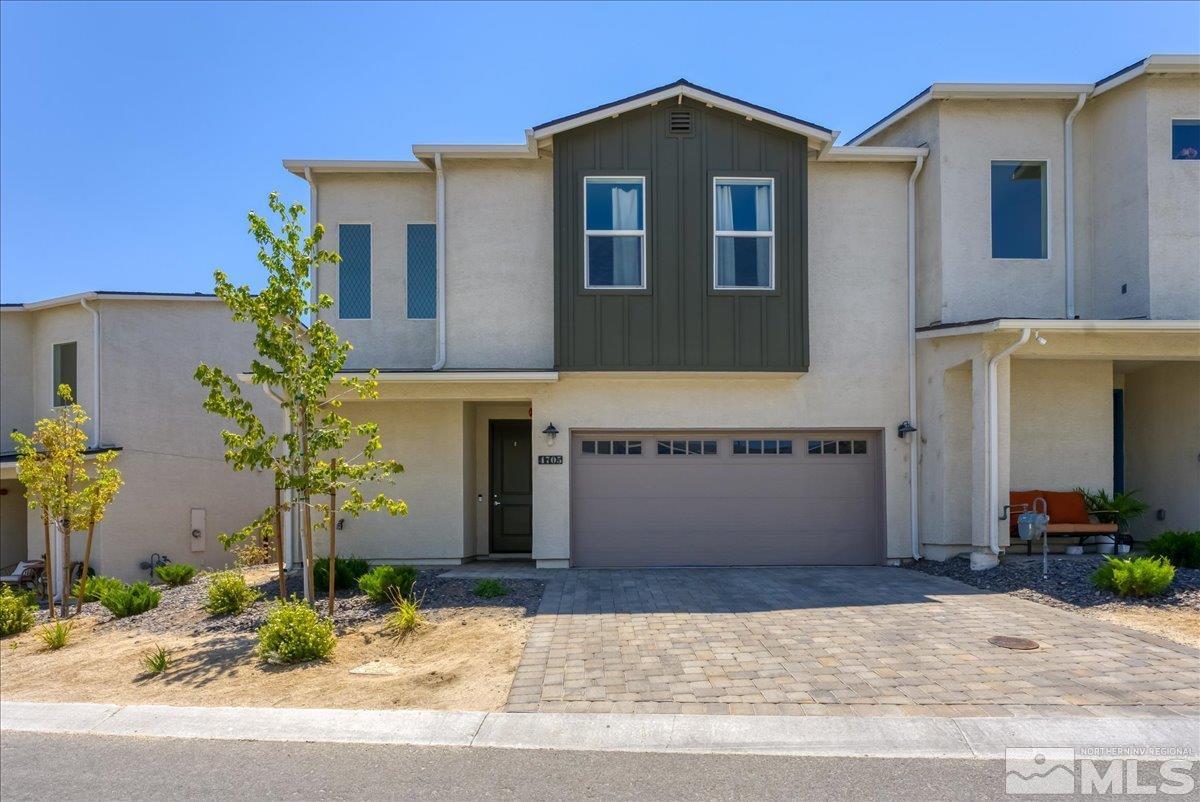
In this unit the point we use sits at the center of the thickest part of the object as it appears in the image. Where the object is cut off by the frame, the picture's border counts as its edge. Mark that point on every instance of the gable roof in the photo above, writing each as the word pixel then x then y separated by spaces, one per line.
pixel 993 91
pixel 109 295
pixel 817 134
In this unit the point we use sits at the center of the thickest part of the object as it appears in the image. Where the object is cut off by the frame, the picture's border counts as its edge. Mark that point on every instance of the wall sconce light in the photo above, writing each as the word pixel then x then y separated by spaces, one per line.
pixel 551 433
pixel 905 428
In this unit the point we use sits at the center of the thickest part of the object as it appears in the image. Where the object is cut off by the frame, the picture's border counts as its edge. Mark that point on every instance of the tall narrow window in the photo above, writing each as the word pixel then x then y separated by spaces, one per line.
pixel 422 271
pixel 64 372
pixel 614 211
pixel 743 233
pixel 1185 139
pixel 1019 210
pixel 354 273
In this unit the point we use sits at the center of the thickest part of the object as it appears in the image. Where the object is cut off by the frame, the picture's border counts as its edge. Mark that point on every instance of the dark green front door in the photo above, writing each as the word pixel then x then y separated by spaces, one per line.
pixel 511 492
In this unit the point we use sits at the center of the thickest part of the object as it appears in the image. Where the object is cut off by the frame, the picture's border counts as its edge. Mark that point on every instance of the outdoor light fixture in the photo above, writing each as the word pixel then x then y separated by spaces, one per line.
pixel 1037 335
pixel 550 433
pixel 905 428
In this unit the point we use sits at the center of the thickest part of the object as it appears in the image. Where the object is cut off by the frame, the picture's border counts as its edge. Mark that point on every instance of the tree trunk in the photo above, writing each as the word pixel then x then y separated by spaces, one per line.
pixel 48 563
pixel 87 558
pixel 279 546
pixel 332 523
pixel 66 570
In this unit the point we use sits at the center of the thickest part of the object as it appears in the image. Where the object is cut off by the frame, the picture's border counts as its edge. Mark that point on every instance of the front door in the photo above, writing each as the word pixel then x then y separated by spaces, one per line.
pixel 511 491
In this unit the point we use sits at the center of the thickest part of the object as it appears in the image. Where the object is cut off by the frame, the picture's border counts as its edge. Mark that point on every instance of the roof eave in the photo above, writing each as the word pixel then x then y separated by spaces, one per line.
pixel 1060 324
pixel 317 166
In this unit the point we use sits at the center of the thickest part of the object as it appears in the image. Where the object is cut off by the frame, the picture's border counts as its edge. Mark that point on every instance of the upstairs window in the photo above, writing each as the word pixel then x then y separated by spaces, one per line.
pixel 1185 139
pixel 422 271
pixel 1020 209
pixel 614 211
pixel 354 272
pixel 743 233
pixel 64 372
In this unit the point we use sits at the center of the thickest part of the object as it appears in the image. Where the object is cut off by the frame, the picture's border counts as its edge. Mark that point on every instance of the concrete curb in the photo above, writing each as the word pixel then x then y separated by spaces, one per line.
pixel 824 736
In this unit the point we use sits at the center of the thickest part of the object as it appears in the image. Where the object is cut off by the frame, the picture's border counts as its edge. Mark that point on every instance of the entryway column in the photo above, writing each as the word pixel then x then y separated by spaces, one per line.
pixel 981 554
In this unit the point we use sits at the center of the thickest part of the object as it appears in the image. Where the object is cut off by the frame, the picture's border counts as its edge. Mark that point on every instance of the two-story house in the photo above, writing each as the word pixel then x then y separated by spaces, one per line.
pixel 683 329
pixel 129 359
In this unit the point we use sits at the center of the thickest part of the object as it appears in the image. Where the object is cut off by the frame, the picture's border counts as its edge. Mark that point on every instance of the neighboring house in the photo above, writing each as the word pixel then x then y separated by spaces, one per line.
pixel 129 358
pixel 708 302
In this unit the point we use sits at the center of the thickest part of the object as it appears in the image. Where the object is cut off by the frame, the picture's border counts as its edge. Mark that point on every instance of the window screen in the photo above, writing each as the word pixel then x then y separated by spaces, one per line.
pixel 354 272
pixel 422 271
pixel 64 372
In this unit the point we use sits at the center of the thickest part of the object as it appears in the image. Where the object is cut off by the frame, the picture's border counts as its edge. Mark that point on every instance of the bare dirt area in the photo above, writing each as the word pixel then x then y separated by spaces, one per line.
pixel 1175 615
pixel 462 659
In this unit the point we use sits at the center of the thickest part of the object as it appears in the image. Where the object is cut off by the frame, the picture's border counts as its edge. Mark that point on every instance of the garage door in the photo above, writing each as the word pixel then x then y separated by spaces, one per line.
pixel 743 498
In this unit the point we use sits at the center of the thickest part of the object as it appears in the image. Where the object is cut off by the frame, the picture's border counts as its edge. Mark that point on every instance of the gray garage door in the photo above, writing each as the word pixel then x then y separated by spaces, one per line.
pixel 740 498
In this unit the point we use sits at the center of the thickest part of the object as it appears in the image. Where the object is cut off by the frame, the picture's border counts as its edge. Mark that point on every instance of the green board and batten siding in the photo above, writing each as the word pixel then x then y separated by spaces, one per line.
pixel 679 322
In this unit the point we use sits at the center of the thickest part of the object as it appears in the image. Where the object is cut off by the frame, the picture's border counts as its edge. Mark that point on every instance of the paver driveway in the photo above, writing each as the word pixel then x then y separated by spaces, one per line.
pixel 831 641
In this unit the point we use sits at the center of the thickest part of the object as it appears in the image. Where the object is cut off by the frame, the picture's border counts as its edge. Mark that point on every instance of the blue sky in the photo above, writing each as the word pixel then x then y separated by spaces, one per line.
pixel 134 137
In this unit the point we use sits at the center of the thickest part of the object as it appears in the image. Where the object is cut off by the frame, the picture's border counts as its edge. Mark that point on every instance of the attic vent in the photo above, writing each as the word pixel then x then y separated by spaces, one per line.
pixel 679 122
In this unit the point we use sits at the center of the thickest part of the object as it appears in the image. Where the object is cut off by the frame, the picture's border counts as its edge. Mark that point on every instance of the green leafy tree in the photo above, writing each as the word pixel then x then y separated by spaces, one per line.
pixel 52 464
pixel 298 364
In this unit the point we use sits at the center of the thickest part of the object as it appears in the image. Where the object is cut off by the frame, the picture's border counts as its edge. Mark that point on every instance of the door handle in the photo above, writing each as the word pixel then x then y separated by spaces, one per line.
pixel 495 503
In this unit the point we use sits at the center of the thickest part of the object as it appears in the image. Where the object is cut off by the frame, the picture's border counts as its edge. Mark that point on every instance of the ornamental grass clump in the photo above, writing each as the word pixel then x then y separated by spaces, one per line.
pixel 130 600
pixel 228 594
pixel 1139 576
pixel 406 618
pixel 55 636
pixel 294 633
pixel 1181 549
pixel 156 661
pixel 490 589
pixel 175 574
pixel 385 583
pixel 16 611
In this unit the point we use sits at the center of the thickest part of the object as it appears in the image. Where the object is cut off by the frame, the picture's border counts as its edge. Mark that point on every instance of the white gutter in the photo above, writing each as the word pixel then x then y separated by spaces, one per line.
pixel 1058 324
pixel 461 377
pixel 1069 196
pixel 914 437
pixel 95 370
pixel 440 236
pixel 312 226
pixel 993 444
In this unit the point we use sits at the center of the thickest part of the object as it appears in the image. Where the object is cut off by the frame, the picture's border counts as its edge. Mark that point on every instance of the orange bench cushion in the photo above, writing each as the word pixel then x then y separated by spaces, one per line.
pixel 1066 507
pixel 1081 529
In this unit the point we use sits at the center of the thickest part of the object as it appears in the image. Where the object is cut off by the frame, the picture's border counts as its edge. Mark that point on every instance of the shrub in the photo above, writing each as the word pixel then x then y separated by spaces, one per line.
pixel 16 612
pixel 175 574
pixel 55 636
pixel 295 633
pixel 1139 576
pixel 1117 508
pixel 156 661
pixel 97 586
pixel 388 582
pixel 490 589
pixel 346 573
pixel 251 553
pixel 130 599
pixel 1181 549
pixel 406 617
pixel 228 594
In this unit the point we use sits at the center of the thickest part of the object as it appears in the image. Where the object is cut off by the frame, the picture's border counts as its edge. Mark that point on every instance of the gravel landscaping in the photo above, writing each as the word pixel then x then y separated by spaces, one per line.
pixel 1175 614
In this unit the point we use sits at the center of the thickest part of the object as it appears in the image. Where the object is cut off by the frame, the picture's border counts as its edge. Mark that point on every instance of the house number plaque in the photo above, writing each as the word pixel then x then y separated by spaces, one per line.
pixel 550 459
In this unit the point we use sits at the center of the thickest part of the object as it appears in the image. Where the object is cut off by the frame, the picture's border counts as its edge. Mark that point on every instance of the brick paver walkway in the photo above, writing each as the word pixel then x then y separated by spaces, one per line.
pixel 831 641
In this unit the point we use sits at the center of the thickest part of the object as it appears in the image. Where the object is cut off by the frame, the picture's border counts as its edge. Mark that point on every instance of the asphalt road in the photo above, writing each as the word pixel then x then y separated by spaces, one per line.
pixel 99 768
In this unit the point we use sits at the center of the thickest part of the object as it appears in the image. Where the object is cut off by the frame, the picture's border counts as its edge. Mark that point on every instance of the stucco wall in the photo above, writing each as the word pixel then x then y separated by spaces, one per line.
pixel 16 374
pixel 1162 441
pixel 1174 187
pixel 389 203
pixel 499 264
pixel 1111 206
pixel 1061 424
pixel 46 328
pixel 972 135
pixel 12 523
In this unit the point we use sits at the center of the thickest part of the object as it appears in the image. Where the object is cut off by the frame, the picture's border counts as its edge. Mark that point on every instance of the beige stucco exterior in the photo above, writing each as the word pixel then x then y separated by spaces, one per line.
pixel 150 407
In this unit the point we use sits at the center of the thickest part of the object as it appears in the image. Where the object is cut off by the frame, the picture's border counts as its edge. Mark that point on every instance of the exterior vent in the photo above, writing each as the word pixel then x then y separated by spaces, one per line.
pixel 679 122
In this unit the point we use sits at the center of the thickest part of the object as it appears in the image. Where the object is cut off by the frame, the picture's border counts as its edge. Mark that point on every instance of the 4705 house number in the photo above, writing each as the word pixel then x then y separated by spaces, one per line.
pixel 550 459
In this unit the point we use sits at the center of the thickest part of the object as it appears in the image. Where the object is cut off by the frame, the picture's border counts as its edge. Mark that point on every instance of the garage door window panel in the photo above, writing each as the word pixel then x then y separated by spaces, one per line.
pixel 837 447
pixel 612 448
pixel 762 448
pixel 687 448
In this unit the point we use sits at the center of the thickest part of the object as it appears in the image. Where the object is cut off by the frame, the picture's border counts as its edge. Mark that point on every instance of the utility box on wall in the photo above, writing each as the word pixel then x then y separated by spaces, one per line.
pixel 197 529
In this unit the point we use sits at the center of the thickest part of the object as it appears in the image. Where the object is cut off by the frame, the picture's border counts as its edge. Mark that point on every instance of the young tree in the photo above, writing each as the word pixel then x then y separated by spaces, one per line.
pixel 297 364
pixel 51 464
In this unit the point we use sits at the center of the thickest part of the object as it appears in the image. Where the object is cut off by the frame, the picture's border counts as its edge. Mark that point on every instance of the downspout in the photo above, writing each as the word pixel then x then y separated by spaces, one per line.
pixel 1069 197
pixel 993 445
pixel 313 218
pixel 913 443
pixel 95 370
pixel 288 529
pixel 440 235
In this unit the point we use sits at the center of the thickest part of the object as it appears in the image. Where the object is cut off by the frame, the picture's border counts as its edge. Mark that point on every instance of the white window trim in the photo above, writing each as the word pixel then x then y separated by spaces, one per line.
pixel 738 179
pixel 587 232
pixel 370 271
pixel 406 225
pixel 1172 133
pixel 1049 213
